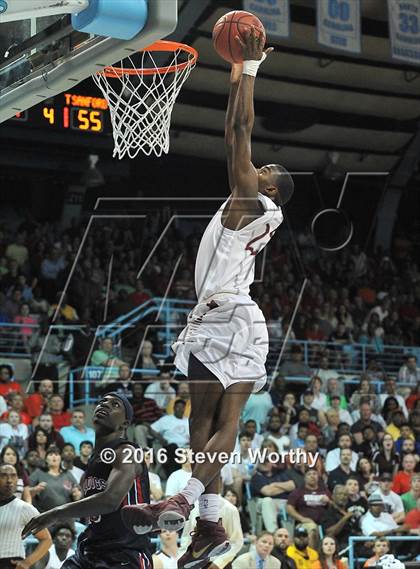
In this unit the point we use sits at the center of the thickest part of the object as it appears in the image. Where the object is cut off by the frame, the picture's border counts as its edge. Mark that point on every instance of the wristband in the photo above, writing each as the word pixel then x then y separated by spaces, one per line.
pixel 250 66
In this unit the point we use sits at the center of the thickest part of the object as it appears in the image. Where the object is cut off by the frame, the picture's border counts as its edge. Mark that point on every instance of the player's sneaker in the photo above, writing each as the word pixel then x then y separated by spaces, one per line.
pixel 209 540
pixel 170 514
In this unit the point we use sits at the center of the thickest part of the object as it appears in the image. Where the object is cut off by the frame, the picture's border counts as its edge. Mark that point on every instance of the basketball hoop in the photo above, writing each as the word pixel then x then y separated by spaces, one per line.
pixel 141 99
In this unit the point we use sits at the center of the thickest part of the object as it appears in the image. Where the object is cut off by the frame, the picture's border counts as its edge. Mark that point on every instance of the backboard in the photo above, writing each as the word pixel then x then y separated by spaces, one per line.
pixel 43 56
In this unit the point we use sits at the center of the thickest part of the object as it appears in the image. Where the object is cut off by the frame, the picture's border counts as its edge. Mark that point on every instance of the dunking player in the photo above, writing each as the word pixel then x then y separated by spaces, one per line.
pixel 113 478
pixel 224 346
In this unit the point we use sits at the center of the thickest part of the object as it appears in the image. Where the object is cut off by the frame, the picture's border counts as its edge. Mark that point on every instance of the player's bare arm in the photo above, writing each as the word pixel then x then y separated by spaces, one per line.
pixel 119 484
pixel 235 79
pixel 243 176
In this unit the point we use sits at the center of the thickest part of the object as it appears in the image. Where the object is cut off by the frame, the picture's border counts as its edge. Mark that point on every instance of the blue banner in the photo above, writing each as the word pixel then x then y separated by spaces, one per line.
pixel 404 25
pixel 339 24
pixel 274 14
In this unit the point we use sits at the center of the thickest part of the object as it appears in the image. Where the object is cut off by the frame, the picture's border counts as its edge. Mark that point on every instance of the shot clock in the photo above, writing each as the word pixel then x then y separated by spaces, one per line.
pixel 82 113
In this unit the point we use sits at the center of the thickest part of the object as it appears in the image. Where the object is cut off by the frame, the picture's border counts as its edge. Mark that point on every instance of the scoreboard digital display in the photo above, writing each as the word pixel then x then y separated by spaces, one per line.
pixel 69 111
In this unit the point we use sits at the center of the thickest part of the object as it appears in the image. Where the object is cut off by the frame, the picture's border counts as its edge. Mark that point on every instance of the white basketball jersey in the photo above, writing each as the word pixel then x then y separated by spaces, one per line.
pixel 226 258
pixel 54 561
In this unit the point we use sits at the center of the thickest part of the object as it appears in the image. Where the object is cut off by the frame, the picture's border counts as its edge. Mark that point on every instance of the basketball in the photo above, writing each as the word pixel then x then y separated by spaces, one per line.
pixel 232 24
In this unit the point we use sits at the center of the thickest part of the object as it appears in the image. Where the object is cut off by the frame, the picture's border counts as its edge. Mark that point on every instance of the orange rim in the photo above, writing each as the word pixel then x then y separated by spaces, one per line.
pixel 171 46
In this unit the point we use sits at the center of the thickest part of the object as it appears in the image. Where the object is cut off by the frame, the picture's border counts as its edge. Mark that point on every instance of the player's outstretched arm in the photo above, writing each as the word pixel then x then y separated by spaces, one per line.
pixel 235 79
pixel 118 485
pixel 244 182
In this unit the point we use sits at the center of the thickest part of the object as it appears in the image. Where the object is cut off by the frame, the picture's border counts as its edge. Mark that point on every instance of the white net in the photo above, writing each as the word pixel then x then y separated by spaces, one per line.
pixel 141 96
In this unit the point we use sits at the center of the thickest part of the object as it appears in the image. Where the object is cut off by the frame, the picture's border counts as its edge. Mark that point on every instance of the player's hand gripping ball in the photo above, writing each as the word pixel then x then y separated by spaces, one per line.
pixel 232 25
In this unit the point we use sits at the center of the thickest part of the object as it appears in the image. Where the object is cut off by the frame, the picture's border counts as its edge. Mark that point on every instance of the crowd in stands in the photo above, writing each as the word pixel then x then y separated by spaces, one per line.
pixel 352 296
pixel 358 473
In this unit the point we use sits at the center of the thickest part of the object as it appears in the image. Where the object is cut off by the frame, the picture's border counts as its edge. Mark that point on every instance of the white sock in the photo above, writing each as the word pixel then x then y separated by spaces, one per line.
pixel 193 490
pixel 209 507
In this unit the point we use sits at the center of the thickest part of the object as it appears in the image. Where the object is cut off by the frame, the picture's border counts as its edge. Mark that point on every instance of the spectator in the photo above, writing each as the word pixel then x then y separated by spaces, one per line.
pixel 124 383
pixel 38 402
pixel 376 522
pixel 414 397
pixel 365 392
pixel 366 476
pixel 168 553
pixel 66 312
pixel 336 520
pixel 391 391
pixel 147 361
pixel 324 372
pixel 68 456
pixel 364 421
pixel 289 404
pixel 402 481
pixel 395 424
pixel 328 555
pixel 258 407
pixel 77 432
pixel 409 372
pixel 356 502
pixel 340 474
pixel 161 390
pixel 38 442
pixel 33 461
pixel 7 385
pixel 275 433
pixel 386 459
pixel 184 394
pixel 54 437
pixel 294 366
pixel 308 503
pixel 320 399
pixel 406 435
pixel 47 352
pixel 85 452
pixel 278 390
pixel 14 515
pixel 60 418
pixel 18 251
pixel 139 296
pixel 232 497
pixel 17 404
pixel 311 448
pixel 392 502
pixel 63 537
pixel 261 557
pixel 105 357
pixel 250 427
pixel 307 400
pixel 409 499
pixel 273 487
pixel 343 414
pixel 9 455
pixel 412 520
pixel 369 445
pixel 172 431
pixel 52 488
pixel 14 433
pixel 179 479
pixel 381 546
pixel 146 412
pixel 332 460
pixel 242 470
pixel 303 555
pixel 281 544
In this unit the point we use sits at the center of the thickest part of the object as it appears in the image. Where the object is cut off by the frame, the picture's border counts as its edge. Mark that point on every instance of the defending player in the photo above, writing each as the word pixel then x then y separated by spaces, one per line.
pixel 224 346
pixel 108 486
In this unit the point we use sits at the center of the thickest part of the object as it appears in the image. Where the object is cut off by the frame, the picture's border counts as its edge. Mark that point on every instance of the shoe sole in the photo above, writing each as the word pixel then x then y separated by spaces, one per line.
pixel 220 549
pixel 169 520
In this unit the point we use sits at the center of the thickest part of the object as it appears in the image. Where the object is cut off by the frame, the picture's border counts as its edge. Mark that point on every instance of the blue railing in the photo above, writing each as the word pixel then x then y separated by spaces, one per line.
pixel 89 376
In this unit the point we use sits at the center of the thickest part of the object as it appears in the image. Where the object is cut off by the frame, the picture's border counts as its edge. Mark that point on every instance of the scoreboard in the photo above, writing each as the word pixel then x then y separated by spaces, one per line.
pixel 69 111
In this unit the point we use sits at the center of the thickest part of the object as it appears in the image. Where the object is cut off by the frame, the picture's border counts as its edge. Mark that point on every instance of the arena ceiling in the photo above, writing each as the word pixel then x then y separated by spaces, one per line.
pixel 310 101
